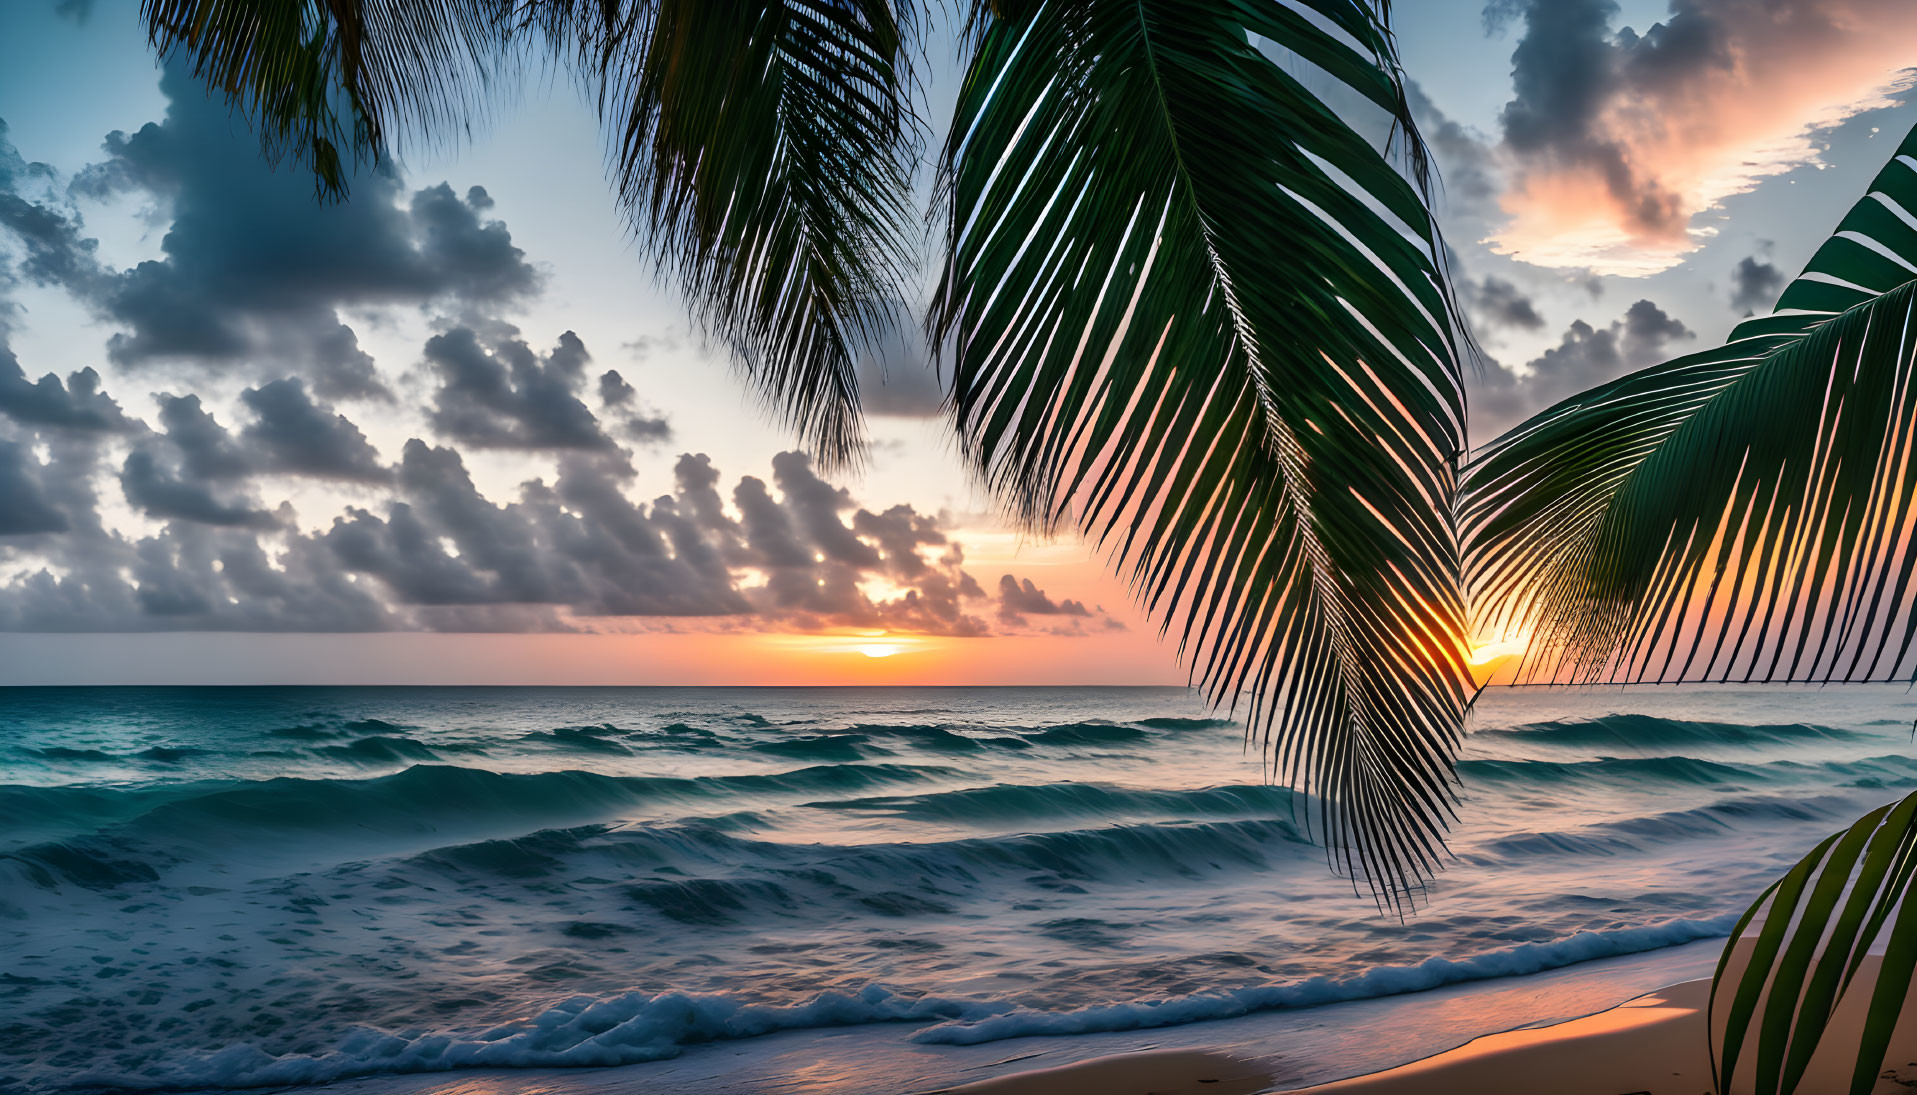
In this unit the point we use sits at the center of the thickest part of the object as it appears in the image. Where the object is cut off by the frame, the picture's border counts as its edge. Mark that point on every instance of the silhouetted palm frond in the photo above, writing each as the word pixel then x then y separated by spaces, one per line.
pixel 1193 310
pixel 1741 514
pixel 1821 921
pixel 764 149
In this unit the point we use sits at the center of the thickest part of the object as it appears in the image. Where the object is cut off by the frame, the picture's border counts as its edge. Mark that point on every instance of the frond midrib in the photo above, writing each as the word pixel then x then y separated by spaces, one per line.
pixel 1280 442
pixel 1557 607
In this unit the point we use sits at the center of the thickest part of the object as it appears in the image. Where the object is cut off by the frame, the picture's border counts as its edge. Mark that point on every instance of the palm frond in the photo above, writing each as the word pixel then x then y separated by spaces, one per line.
pixel 1821 921
pixel 765 151
pixel 1196 312
pixel 292 66
pixel 1741 514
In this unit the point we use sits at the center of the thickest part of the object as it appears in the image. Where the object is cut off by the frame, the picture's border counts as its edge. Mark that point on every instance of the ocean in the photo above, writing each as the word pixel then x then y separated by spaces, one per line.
pixel 227 887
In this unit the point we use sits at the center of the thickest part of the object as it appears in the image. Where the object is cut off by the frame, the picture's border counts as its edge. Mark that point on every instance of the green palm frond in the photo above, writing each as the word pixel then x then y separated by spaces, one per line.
pixel 293 66
pixel 1741 514
pixel 765 150
pixel 1193 310
pixel 1821 921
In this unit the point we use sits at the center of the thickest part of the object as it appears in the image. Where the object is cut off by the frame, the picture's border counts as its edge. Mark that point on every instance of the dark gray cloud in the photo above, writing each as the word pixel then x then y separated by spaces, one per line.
pixel 76 404
pixel 432 551
pixel 254 281
pixel 619 399
pixel 190 575
pixel 1018 599
pixel 899 534
pixel 815 563
pixel 614 391
pixel 1755 284
pixel 289 433
pixel 815 506
pixel 1497 303
pixel 582 543
pixel 209 450
pixel 1584 357
pixel 254 274
pixel 158 491
pixel 1615 139
pixel 1565 71
pixel 294 435
pixel 24 506
pixel 42 227
pixel 498 393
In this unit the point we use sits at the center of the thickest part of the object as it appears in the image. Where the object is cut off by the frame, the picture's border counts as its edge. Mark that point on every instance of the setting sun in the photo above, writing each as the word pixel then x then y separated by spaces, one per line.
pixel 1503 648
pixel 1027 548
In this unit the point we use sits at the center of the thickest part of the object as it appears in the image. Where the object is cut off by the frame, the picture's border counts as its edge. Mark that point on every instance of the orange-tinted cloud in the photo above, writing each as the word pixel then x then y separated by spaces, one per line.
pixel 1617 141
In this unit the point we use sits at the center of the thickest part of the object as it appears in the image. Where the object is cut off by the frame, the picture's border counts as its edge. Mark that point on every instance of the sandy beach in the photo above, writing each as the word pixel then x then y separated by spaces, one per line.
pixel 1001 920
pixel 1280 1050
pixel 1651 1045
pixel 895 547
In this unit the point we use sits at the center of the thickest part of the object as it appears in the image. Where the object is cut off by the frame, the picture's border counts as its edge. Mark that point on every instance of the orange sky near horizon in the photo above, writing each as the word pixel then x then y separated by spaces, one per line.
pixel 657 658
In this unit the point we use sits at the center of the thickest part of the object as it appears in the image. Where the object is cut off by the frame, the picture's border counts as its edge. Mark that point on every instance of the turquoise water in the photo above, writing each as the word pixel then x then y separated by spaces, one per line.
pixel 231 887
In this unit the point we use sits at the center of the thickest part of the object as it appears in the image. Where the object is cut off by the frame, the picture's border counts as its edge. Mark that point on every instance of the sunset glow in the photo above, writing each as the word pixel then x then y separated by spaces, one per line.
pixel 1487 653
pixel 849 548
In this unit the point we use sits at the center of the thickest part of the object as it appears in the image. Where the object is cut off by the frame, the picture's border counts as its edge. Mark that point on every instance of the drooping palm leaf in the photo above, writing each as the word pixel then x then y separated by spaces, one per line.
pixel 763 149
pixel 1194 310
pixel 1744 513
pixel 290 65
pixel 1821 921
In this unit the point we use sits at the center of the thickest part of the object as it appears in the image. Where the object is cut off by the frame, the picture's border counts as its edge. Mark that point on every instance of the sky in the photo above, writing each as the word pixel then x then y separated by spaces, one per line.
pixel 454 431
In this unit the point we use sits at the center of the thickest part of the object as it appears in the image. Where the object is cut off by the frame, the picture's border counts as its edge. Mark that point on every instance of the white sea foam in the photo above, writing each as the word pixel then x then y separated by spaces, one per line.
pixel 582 1031
pixel 631 1028
pixel 269 904
pixel 1433 973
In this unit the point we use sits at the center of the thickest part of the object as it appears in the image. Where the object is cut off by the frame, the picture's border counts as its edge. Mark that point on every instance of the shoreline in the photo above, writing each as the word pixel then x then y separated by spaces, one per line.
pixel 1591 1031
pixel 1300 1047
pixel 1649 1045
pixel 1653 1044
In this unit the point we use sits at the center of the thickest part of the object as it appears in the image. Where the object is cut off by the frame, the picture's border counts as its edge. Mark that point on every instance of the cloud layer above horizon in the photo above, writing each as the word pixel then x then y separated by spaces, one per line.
pixel 1614 141
pixel 225 479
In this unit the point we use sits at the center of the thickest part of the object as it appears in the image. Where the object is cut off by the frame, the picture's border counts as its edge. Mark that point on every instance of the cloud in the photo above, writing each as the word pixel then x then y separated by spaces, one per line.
pixel 294 435
pixel 209 450
pixel 500 394
pixel 819 570
pixel 423 548
pixel 76 404
pixel 1617 140
pixel 160 492
pixel 184 521
pixel 614 391
pixel 253 272
pixel 24 506
pixel 637 423
pixel 1584 357
pixel 645 346
pixel 1017 599
pixel 1755 284
pixel 1499 304
pixel 1466 161
pixel 42 224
